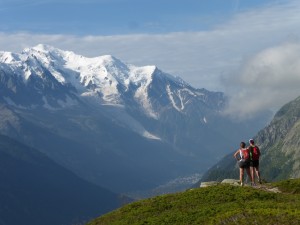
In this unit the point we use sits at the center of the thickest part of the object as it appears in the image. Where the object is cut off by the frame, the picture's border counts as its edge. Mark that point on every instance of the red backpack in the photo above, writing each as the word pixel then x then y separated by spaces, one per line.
pixel 255 153
pixel 244 153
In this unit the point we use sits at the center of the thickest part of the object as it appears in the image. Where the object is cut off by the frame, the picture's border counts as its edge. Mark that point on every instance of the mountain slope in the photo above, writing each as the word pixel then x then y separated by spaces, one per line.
pixel 111 122
pixel 35 190
pixel 97 149
pixel 221 204
pixel 279 144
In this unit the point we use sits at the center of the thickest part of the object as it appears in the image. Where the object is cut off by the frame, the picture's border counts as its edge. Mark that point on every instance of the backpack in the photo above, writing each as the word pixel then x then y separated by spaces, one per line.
pixel 244 153
pixel 254 153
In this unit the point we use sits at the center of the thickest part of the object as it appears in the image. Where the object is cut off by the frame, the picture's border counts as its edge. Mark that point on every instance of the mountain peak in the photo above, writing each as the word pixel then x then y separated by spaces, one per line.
pixel 8 57
pixel 44 48
pixel 105 78
pixel 41 48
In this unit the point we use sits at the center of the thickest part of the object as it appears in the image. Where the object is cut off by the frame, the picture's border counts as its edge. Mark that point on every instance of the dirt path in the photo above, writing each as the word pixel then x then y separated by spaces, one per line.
pixel 267 188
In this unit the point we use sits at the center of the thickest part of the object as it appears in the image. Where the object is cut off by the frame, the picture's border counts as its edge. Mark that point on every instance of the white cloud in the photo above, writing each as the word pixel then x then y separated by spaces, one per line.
pixel 266 81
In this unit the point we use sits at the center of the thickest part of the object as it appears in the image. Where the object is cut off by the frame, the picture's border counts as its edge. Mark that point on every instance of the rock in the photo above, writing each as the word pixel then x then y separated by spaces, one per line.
pixel 230 181
pixel 209 183
pixel 275 190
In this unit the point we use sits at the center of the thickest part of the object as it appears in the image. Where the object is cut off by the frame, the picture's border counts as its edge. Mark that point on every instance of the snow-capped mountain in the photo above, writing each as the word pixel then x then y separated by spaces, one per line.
pixel 44 76
pixel 104 79
pixel 108 120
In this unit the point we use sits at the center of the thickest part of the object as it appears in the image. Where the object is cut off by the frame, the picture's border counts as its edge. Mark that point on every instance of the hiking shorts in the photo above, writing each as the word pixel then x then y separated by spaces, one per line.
pixel 254 163
pixel 244 164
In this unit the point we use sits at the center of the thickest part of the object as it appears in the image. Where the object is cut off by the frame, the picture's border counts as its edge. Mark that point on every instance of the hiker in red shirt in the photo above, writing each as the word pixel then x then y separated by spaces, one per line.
pixel 243 161
pixel 254 160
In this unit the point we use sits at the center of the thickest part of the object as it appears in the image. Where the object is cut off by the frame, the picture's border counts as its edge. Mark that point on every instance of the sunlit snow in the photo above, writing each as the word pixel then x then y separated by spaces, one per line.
pixel 103 80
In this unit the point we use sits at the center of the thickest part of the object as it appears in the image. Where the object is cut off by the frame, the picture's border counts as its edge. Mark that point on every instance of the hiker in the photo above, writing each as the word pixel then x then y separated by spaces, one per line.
pixel 254 160
pixel 243 161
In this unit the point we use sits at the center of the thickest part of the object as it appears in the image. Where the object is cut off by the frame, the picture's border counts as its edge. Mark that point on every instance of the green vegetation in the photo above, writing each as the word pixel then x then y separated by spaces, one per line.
pixel 221 204
pixel 291 186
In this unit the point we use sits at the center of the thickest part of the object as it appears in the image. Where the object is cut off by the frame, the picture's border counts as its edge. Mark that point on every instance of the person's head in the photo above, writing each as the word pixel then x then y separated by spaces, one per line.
pixel 243 144
pixel 251 142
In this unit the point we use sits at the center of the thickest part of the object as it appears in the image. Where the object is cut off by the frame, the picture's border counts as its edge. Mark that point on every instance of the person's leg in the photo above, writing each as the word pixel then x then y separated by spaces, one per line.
pixel 249 174
pixel 258 174
pixel 252 174
pixel 242 176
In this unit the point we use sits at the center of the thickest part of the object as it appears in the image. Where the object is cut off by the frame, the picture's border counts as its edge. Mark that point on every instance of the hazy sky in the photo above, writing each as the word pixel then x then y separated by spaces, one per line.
pixel 249 49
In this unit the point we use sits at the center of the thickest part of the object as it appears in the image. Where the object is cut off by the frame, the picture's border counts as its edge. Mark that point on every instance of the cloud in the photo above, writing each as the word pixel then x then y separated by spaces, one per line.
pixel 268 80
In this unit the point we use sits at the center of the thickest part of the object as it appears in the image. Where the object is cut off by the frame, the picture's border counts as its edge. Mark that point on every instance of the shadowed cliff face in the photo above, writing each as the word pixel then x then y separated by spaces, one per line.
pixel 35 190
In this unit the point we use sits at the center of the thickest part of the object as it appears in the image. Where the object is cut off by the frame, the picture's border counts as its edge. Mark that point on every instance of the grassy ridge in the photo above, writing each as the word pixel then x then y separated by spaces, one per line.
pixel 221 204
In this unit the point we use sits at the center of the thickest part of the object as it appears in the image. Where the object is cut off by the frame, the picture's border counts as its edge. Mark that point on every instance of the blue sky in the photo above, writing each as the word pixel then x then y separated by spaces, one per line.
pixel 113 17
pixel 246 48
